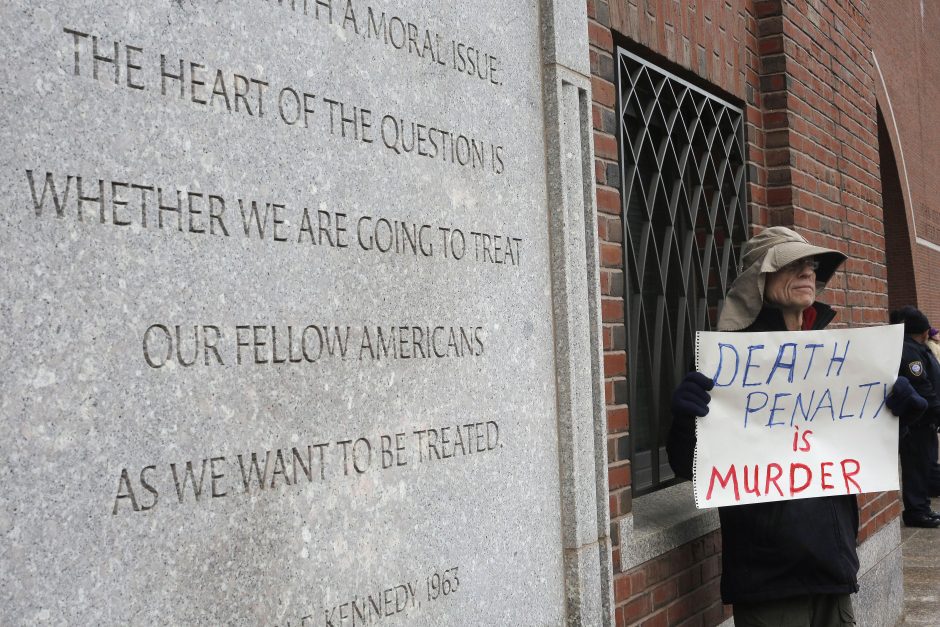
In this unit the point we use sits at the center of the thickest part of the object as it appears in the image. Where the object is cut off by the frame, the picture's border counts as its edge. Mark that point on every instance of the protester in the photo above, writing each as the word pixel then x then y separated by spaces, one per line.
pixel 783 562
pixel 918 443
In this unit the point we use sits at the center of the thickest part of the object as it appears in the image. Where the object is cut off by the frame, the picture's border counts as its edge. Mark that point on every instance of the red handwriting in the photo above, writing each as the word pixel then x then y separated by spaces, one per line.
pixel 800 477
pixel 796 438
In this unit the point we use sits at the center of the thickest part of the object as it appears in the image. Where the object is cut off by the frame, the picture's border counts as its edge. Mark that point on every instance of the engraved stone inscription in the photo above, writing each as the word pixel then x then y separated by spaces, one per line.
pixel 236 93
pixel 399 33
pixel 369 607
pixel 277 314
pixel 272 345
pixel 278 470
pixel 147 206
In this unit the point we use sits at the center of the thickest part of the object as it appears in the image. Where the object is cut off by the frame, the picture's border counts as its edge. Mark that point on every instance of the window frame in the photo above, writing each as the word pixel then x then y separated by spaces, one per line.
pixel 668 352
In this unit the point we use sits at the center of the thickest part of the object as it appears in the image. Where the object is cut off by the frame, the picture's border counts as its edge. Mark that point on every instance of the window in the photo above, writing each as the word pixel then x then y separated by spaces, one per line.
pixel 685 217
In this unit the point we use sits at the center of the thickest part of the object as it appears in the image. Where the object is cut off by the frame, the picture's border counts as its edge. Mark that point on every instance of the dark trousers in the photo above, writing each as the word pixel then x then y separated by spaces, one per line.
pixel 933 485
pixel 915 450
pixel 814 610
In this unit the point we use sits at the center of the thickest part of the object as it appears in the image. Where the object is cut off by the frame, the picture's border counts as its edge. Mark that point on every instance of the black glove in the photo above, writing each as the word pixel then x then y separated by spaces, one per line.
pixel 691 397
pixel 904 400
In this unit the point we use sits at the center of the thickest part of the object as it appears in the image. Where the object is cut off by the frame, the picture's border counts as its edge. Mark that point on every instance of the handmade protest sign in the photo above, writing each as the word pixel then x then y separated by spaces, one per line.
pixel 797 415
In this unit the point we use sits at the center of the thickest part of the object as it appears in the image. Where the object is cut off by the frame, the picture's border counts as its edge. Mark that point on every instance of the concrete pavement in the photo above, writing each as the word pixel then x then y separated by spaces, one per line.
pixel 920 549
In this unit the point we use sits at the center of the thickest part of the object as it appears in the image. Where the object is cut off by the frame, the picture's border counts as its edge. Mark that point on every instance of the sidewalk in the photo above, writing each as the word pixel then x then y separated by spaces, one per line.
pixel 921 552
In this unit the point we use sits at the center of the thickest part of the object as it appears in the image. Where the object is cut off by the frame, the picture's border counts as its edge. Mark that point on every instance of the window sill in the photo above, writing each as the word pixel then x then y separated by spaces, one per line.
pixel 660 522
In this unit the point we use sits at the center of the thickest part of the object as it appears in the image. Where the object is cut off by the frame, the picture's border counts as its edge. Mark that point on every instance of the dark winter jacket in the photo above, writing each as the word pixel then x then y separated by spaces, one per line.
pixel 783 548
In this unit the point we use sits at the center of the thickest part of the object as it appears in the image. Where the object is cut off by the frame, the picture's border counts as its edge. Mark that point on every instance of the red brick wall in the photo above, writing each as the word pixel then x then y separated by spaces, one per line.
pixel 904 39
pixel 823 174
pixel 679 588
pixel 807 83
pixel 829 175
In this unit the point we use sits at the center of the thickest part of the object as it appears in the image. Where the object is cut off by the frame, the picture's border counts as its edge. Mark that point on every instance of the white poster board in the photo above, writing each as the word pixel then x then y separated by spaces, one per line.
pixel 797 415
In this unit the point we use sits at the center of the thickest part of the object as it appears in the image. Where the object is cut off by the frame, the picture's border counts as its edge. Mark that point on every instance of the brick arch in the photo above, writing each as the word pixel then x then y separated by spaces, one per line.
pixel 897 209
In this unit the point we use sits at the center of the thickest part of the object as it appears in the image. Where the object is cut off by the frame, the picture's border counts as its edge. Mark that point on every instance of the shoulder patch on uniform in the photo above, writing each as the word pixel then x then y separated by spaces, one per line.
pixel 916 368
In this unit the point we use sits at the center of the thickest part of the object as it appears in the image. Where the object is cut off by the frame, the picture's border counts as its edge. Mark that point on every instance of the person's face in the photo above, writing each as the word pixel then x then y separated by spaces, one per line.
pixel 793 287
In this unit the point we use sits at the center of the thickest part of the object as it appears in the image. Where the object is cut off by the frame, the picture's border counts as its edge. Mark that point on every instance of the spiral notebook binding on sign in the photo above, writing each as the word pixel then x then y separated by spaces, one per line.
pixel 698 367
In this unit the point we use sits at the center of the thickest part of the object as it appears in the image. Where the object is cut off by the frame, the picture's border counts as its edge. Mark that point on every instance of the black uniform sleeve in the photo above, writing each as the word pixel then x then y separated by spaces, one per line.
pixel 917 369
pixel 933 375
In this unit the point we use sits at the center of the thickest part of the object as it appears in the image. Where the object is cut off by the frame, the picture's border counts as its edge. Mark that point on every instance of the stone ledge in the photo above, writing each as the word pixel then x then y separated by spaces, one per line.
pixel 660 522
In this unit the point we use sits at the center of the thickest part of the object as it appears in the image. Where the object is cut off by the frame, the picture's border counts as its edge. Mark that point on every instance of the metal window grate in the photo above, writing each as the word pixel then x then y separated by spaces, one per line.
pixel 685 217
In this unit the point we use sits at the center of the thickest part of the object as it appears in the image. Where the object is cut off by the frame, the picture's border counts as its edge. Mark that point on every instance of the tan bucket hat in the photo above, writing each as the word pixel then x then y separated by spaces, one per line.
pixel 767 252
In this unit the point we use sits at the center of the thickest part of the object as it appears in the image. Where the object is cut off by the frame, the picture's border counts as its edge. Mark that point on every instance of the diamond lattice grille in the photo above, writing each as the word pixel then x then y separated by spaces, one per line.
pixel 685 218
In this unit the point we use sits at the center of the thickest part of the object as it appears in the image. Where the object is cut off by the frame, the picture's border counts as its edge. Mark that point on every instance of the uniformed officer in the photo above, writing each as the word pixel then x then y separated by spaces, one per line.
pixel 921 368
pixel 933 343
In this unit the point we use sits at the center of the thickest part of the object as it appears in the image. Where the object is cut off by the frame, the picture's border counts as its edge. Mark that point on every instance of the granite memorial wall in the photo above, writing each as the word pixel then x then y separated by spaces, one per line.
pixel 281 300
